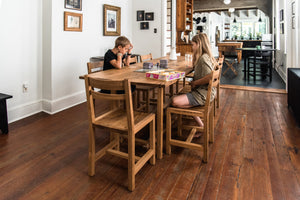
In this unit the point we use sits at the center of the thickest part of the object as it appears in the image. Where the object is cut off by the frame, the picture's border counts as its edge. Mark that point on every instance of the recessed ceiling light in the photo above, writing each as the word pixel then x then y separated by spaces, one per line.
pixel 227 2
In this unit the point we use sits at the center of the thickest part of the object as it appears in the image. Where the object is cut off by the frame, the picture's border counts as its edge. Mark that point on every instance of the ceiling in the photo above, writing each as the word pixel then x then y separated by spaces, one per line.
pixel 207 5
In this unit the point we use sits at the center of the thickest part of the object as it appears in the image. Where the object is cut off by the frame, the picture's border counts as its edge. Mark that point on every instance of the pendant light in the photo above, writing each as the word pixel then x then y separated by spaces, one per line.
pixel 259 19
pixel 234 19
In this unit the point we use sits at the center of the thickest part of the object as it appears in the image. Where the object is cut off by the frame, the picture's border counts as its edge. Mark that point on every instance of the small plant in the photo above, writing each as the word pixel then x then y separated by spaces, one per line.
pixel 258 35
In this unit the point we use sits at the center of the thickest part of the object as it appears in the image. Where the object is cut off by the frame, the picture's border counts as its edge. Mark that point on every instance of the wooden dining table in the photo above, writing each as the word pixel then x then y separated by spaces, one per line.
pixel 130 72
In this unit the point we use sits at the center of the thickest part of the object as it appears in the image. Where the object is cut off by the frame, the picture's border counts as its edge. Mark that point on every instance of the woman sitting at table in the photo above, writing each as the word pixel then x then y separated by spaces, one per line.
pixel 114 58
pixel 203 64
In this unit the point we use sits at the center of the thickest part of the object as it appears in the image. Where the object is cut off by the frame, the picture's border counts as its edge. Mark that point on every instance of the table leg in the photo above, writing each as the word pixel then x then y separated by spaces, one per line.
pixel 160 126
pixel 3 117
pixel 254 66
pixel 245 64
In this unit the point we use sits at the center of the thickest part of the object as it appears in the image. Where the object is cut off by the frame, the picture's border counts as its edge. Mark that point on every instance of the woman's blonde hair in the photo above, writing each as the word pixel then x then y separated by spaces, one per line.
pixel 202 40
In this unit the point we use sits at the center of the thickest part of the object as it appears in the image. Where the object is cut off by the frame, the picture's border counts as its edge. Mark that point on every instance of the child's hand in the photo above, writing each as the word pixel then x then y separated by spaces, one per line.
pixel 130 48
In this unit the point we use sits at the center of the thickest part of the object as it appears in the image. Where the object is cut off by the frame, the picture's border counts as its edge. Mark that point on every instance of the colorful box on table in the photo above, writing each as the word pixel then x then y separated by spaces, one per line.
pixel 165 75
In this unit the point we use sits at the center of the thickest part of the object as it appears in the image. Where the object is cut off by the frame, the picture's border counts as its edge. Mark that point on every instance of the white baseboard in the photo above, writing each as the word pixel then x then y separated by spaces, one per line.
pixel 55 106
pixel 281 73
pixel 50 107
pixel 25 110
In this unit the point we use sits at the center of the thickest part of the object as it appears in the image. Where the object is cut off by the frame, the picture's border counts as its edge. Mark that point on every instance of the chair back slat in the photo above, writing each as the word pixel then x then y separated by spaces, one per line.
pixel 213 83
pixel 132 60
pixel 105 84
pixel 93 67
pixel 103 96
pixel 146 57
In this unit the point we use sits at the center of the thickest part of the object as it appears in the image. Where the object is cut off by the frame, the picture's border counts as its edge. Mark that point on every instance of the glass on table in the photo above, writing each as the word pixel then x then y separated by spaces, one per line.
pixel 188 59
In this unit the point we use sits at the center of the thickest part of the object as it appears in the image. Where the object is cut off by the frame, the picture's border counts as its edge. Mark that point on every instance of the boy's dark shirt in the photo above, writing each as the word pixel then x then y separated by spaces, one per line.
pixel 109 56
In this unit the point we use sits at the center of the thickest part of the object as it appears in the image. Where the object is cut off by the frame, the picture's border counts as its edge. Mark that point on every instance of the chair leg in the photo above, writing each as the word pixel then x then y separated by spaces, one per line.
pixel 152 141
pixel 218 95
pixel 179 128
pixel 147 101
pixel 92 155
pixel 215 105
pixel 206 137
pixel 211 125
pixel 138 98
pixel 131 161
pixel 168 132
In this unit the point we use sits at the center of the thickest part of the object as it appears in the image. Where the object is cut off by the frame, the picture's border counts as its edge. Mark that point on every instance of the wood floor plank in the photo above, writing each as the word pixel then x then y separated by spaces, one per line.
pixel 254 156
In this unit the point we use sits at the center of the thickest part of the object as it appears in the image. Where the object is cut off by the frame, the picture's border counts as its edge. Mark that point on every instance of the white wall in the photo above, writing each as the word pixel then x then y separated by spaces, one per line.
pixel 146 41
pixel 71 50
pixel 34 48
pixel 21 55
pixel 287 55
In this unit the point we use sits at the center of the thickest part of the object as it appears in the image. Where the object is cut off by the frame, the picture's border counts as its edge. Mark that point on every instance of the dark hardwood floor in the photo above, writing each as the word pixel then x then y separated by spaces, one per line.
pixel 255 156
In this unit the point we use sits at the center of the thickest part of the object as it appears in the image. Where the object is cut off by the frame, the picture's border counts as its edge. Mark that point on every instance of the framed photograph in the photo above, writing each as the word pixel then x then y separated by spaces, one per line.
pixel 281 15
pixel 282 28
pixel 112 20
pixel 293 8
pixel 149 16
pixel 144 26
pixel 73 4
pixel 293 22
pixel 73 21
pixel 140 15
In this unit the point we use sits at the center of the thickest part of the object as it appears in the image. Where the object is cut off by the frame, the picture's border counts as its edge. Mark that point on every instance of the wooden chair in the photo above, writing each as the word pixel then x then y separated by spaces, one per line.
pixel 93 67
pixel 230 62
pixel 146 57
pixel 217 98
pixel 132 60
pixel 204 112
pixel 145 90
pixel 118 120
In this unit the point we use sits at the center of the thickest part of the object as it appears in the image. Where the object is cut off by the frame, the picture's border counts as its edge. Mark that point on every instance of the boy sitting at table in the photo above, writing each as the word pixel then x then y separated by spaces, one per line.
pixel 114 58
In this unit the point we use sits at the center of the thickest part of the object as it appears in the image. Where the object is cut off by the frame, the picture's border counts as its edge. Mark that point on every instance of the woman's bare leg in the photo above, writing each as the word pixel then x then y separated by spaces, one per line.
pixel 182 101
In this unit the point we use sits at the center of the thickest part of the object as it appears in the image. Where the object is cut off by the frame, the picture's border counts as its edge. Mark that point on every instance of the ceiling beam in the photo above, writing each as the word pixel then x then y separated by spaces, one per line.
pixel 223 9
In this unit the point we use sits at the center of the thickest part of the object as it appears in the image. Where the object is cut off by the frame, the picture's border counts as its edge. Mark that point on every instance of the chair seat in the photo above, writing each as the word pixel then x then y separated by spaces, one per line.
pixel 117 120
pixel 259 62
pixel 194 111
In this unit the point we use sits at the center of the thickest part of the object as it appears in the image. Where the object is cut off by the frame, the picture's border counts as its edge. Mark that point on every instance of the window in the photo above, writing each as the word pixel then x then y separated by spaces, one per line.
pixel 247 30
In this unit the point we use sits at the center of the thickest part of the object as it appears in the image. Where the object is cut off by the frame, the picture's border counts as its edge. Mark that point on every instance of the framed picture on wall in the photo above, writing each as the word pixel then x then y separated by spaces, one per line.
pixel 73 4
pixel 144 26
pixel 293 22
pixel 293 8
pixel 112 20
pixel 281 15
pixel 282 28
pixel 140 15
pixel 72 21
pixel 149 16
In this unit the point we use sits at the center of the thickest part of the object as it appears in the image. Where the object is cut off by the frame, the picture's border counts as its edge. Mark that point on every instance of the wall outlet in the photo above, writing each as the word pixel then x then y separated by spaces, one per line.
pixel 25 87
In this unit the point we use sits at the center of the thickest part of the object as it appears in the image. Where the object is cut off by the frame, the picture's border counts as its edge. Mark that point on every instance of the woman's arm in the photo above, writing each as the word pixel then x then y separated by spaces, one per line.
pixel 202 81
pixel 117 63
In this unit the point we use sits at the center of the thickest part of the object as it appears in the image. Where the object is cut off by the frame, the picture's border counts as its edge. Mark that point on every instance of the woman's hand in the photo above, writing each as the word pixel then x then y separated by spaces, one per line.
pixel 193 84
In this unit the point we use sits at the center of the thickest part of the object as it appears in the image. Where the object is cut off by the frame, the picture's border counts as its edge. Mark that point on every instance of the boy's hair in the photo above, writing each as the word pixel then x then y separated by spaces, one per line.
pixel 121 41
